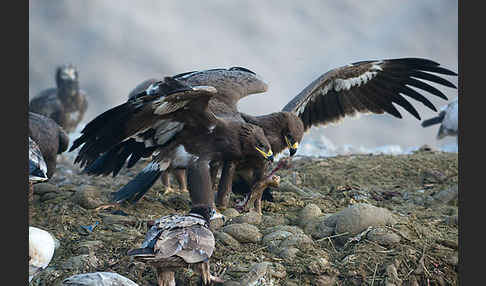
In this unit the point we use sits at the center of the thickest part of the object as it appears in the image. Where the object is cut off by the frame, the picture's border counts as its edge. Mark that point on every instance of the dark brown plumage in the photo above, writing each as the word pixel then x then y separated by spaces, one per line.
pixel 361 87
pixel 178 241
pixel 66 104
pixel 202 137
pixel 50 137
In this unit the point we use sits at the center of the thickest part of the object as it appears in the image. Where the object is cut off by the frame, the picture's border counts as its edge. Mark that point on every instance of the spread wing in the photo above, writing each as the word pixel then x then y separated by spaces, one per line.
pixel 368 87
pixel 160 101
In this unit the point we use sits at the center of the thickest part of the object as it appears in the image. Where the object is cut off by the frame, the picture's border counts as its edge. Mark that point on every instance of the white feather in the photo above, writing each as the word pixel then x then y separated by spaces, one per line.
pixel 41 249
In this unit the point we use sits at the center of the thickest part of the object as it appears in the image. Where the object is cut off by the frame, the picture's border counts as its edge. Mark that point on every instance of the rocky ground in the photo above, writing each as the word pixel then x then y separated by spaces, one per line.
pixel 344 220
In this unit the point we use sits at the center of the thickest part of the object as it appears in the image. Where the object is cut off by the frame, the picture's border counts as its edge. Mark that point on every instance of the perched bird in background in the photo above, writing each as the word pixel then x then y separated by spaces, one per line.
pixel 448 118
pixel 98 279
pixel 50 137
pixel 37 167
pixel 66 104
pixel 202 137
pixel 41 250
pixel 178 241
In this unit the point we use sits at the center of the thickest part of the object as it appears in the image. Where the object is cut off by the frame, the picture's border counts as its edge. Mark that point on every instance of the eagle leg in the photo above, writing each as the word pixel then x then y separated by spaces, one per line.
pixel 224 186
pixel 180 175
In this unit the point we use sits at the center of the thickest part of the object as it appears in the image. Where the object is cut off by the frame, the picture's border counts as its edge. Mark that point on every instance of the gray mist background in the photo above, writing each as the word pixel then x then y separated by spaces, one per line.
pixel 118 44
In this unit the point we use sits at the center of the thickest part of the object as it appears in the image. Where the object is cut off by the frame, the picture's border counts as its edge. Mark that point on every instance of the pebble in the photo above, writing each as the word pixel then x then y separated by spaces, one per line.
pixel 118 219
pixel 44 188
pixel 318 266
pixel 447 195
pixel 80 263
pixel 383 236
pixel 243 232
pixel 300 241
pixel 256 272
pixel 288 253
pixel 309 212
pixel 354 220
pixel 274 220
pixel 226 239
pixel 90 197
pixel 230 213
pixel 249 217
pixel 90 246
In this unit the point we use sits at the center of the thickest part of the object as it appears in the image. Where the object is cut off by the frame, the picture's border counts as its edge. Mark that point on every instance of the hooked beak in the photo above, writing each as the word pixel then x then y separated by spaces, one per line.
pixel 292 147
pixel 267 156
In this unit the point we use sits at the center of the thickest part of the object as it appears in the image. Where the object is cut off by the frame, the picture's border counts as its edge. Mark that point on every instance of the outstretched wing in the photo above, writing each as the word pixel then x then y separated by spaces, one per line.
pixel 159 101
pixel 368 87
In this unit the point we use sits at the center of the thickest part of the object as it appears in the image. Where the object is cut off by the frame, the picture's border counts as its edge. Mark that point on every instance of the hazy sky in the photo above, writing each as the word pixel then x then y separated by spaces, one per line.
pixel 118 44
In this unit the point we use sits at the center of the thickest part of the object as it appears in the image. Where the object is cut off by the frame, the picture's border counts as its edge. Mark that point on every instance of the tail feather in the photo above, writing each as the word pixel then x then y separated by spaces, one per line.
pixel 139 185
pixel 113 160
pixel 434 120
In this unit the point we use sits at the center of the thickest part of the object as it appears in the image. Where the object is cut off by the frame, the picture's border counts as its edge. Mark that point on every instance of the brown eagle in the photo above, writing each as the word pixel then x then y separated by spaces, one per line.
pixel 66 104
pixel 173 120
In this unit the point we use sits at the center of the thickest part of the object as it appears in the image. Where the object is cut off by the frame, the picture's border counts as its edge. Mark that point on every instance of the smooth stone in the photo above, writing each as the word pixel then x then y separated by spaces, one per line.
pixel 249 217
pixel 243 232
pixel 226 239
pixel 382 236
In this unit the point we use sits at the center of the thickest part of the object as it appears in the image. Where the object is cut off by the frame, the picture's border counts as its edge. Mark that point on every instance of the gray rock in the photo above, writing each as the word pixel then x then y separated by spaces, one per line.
pixel 288 253
pixel 272 240
pixel 290 228
pixel 89 246
pixel 307 213
pixel 49 196
pixel 226 239
pixel 80 263
pixel 383 236
pixel 230 213
pixel 90 197
pixel 274 220
pixel 300 241
pixel 256 273
pixel 318 266
pixel 243 232
pixel 447 195
pixel 249 217
pixel 44 188
pixel 118 219
pixel 357 218
pixel 452 220
pixel 325 280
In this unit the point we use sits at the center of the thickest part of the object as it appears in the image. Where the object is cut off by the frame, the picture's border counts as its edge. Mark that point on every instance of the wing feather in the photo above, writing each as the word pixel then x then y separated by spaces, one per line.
pixel 372 86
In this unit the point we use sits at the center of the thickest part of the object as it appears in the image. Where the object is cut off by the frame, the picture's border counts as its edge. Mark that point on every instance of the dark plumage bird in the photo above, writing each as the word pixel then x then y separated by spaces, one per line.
pixel 37 167
pixel 198 136
pixel 448 118
pixel 178 241
pixel 66 104
pixel 50 137
pixel 362 87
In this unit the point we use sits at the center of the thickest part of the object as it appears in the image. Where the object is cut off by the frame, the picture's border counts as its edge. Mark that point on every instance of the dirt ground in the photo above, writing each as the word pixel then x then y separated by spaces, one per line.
pixel 416 188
